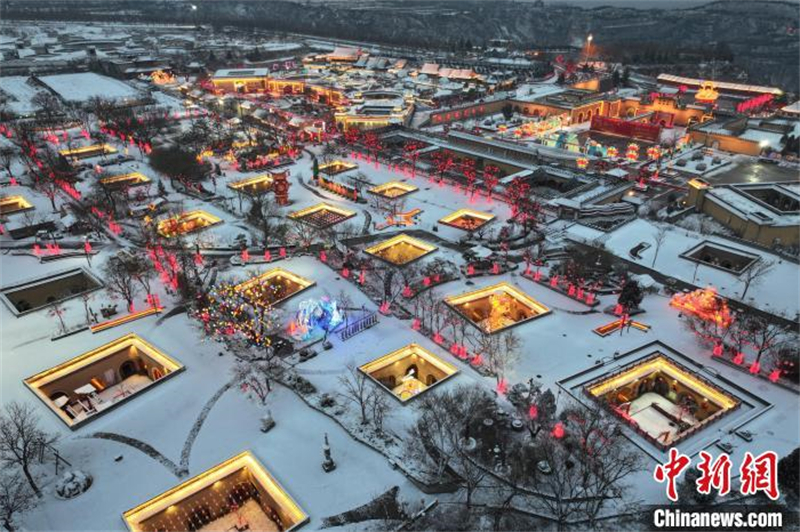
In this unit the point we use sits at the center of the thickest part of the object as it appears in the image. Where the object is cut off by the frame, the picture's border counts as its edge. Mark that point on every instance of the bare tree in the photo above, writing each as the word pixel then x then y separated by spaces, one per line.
pixel 57 310
pixel 21 439
pixel 356 389
pixel 659 238
pixel 16 497
pixel 120 280
pixel 378 407
pixel 255 378
pixel 499 351
pixel 755 274
pixel 439 438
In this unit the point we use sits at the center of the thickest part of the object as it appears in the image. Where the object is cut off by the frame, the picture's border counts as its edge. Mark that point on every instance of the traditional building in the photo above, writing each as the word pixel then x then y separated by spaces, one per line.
pixel 765 213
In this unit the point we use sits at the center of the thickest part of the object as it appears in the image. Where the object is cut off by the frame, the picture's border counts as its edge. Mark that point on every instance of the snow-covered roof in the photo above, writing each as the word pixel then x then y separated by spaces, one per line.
pixel 83 86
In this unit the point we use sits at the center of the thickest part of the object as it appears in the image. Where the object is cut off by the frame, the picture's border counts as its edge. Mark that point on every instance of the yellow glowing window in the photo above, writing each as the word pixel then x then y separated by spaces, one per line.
pixel 322 215
pixel 238 494
pixel 12 204
pixel 87 385
pixel 273 287
pixel 401 249
pixel 467 219
pixel 84 152
pixel 186 222
pixel 408 371
pixel 393 189
pixel 125 180
pixel 497 307
pixel 253 185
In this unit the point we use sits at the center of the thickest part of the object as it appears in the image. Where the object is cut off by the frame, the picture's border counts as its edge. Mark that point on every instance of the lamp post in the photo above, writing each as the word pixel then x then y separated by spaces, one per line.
pixel 193 9
pixel 589 39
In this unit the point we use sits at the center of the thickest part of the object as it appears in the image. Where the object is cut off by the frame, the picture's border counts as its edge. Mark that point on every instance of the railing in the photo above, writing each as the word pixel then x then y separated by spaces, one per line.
pixel 361 325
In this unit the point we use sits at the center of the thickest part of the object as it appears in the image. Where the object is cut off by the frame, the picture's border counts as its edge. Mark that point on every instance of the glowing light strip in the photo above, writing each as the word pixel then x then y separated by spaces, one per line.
pixel 321 207
pixel 608 328
pixel 134 517
pixel 124 319
pixel 105 148
pixel 662 364
pixel 504 287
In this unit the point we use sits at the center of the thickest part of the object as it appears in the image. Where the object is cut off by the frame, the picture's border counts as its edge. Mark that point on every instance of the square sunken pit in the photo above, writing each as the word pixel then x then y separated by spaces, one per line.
pixel 117 182
pixel 83 387
pixel 35 294
pixel 409 371
pixel 722 257
pixel 14 204
pixel 322 215
pixel 187 222
pixel 662 399
pixel 400 250
pixel 467 220
pixel 393 189
pixel 253 186
pixel 497 307
pixel 273 287
pixel 238 494
pixel 337 167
